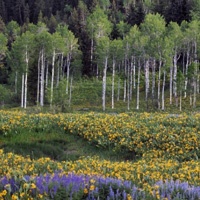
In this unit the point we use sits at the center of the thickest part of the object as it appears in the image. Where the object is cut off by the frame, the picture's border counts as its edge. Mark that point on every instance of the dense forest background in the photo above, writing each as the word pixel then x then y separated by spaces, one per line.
pixel 132 11
pixel 75 12
pixel 143 43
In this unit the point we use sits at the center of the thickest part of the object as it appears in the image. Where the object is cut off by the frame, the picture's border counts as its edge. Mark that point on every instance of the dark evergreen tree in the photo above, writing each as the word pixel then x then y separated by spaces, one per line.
pixel 2 26
pixel 136 14
pixel 39 6
pixel 19 7
pixel 26 13
pixel 52 24
pixel 83 14
pixel 178 11
pixel 161 7
pixel 93 5
pixel 74 23
pixel 3 11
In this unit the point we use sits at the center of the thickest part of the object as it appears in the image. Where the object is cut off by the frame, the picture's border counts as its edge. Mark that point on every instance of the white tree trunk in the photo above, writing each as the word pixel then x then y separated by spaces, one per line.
pixel 68 65
pixel 113 83
pixel 171 84
pixel 131 79
pixel 153 81
pixel 186 72
pixel 118 93
pixel 22 92
pixel 174 78
pixel 25 90
pixel 104 84
pixel 163 91
pixel 134 84
pixel 38 82
pixel 58 72
pixel 175 75
pixel 61 66
pixel 138 87
pixel 42 80
pixel 125 80
pixel 125 90
pixel 128 87
pixel 147 83
pixel 159 77
pixel 26 81
pixel 52 76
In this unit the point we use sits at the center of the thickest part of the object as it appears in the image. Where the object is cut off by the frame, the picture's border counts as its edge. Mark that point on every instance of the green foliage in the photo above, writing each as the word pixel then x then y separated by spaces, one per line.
pixel 52 24
pixel 195 10
pixel 89 91
pixel 60 98
pixel 180 80
pixel 13 30
pixel 175 34
pixel 154 28
pixel 116 50
pixel 3 43
pixel 98 24
pixel 123 28
pixel 5 96
pixel 2 26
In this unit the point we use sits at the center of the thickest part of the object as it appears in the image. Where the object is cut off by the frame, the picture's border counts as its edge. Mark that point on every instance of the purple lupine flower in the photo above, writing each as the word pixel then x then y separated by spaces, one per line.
pixel 124 195
pixel 111 193
pixel 117 194
pixel 96 190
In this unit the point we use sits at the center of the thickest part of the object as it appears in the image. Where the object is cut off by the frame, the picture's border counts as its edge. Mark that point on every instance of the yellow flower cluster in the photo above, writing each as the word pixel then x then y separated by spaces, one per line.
pixel 170 136
pixel 143 172
pixel 168 146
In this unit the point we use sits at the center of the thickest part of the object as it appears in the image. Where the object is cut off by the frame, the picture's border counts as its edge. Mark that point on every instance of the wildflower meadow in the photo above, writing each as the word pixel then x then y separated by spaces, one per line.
pixel 166 165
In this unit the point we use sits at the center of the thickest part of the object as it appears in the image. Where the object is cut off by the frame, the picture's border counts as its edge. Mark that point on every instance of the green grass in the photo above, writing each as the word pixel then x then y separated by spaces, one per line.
pixel 57 146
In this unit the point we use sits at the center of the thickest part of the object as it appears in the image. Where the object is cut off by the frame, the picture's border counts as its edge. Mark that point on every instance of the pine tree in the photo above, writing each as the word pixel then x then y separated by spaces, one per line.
pixel 74 23
pixel 83 14
pixel 2 26
pixel 178 11
pixel 40 17
pixel 135 14
pixel 39 6
pixel 26 13
pixel 19 6
pixel 52 24
pixel 3 11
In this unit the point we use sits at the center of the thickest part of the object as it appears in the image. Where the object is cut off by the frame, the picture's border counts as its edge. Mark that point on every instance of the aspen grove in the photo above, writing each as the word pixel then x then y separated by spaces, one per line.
pixel 165 56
